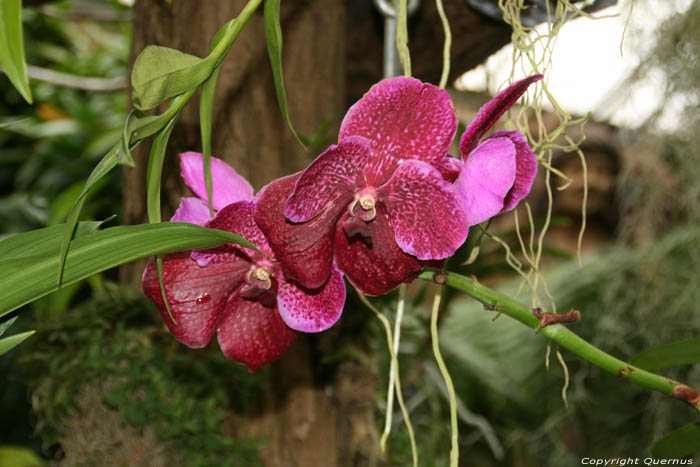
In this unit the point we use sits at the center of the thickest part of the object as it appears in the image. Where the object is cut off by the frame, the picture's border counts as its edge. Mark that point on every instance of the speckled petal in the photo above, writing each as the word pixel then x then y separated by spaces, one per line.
pixel 236 218
pixel 450 167
pixel 333 175
pixel 489 114
pixel 304 250
pixel 253 334
pixel 197 296
pixel 425 213
pixel 525 168
pixel 404 119
pixel 227 186
pixel 192 211
pixel 375 269
pixel 487 177
pixel 312 310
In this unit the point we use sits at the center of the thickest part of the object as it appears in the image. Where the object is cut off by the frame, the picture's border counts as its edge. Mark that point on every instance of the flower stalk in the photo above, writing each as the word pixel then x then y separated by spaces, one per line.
pixel 564 337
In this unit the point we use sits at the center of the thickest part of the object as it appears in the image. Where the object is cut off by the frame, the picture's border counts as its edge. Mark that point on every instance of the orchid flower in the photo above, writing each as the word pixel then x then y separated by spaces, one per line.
pixel 375 203
pixel 497 172
pixel 236 292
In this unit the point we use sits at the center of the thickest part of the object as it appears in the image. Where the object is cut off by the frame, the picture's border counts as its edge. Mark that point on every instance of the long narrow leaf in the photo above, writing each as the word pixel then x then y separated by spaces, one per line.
pixel 6 325
pixel 153 188
pixel 683 442
pixel 9 342
pixel 25 279
pixel 685 352
pixel 12 47
pixel 108 162
pixel 273 37
pixel 40 241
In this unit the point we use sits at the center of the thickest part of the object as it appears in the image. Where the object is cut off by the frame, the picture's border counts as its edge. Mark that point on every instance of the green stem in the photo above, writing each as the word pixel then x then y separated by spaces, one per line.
pixel 564 337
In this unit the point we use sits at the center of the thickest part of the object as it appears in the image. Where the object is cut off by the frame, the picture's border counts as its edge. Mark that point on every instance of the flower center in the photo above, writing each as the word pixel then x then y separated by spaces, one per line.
pixel 258 277
pixel 363 206
pixel 259 286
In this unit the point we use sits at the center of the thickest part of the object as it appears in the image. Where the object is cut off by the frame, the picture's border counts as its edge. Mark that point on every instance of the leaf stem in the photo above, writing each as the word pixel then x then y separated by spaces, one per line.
pixel 564 337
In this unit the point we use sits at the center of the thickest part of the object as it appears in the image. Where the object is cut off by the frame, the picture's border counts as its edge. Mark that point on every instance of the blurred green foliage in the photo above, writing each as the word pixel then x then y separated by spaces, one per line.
pixel 46 150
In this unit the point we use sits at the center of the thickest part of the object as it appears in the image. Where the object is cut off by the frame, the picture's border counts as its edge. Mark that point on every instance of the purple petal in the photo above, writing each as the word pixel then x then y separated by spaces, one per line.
pixel 252 333
pixel 236 218
pixel 375 267
pixel 525 168
pixel 227 186
pixel 310 310
pixel 487 177
pixel 428 220
pixel 450 167
pixel 192 211
pixel 404 119
pixel 489 114
pixel 196 295
pixel 331 177
pixel 305 251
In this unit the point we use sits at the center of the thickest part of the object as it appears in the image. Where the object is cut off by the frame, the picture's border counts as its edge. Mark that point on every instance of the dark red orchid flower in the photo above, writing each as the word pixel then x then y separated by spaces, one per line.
pixel 237 293
pixel 382 201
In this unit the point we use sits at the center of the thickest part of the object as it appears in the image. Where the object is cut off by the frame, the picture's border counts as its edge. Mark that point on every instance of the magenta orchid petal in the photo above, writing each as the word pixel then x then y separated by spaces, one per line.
pixel 305 251
pixel 252 333
pixel 378 266
pixel 490 112
pixel 450 167
pixel 192 211
pixel 525 168
pixel 404 119
pixel 312 310
pixel 197 296
pixel 428 220
pixel 486 179
pixel 331 176
pixel 227 186
pixel 235 218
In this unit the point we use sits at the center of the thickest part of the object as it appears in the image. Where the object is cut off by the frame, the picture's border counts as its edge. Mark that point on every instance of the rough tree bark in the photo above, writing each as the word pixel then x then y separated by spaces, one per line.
pixel 332 54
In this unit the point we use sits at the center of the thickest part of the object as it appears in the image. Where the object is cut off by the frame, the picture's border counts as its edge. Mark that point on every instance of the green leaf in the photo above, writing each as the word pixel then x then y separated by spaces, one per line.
pixel 12 47
pixel 27 278
pixel 19 456
pixel 273 37
pixel 161 73
pixel 40 241
pixel 684 352
pixel 108 162
pixel 683 442
pixel 6 325
pixel 7 343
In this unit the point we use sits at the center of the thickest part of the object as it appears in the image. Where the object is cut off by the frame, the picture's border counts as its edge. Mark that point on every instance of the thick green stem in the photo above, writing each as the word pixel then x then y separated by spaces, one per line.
pixel 564 337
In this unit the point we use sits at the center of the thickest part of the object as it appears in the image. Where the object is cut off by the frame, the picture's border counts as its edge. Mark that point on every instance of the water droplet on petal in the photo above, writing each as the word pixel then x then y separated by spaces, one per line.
pixel 204 298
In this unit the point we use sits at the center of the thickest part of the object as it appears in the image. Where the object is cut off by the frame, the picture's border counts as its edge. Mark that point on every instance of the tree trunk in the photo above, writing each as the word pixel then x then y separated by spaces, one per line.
pixel 327 44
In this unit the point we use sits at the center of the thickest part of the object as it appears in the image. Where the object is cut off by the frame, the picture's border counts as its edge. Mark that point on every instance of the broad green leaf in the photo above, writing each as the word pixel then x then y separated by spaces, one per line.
pixel 161 73
pixel 27 278
pixel 12 47
pixel 7 343
pixel 685 352
pixel 683 442
pixel 40 241
pixel 6 325
pixel 273 37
